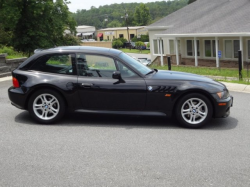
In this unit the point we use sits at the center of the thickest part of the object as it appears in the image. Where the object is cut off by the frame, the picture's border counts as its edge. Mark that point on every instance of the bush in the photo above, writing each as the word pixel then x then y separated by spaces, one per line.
pixel 143 38
pixel 11 53
pixel 8 50
pixel 117 43
pixel 69 40
pixel 139 45
pixel 123 40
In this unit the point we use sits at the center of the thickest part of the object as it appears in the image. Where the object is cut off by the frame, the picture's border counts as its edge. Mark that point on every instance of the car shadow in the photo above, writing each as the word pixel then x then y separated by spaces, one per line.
pixel 125 121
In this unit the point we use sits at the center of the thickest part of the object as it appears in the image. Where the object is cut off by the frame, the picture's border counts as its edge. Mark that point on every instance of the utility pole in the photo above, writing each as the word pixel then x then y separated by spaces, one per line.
pixel 126 19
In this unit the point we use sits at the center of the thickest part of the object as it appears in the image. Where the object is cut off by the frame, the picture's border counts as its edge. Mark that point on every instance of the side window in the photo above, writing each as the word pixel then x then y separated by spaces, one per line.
pixel 125 71
pixel 55 63
pixel 95 66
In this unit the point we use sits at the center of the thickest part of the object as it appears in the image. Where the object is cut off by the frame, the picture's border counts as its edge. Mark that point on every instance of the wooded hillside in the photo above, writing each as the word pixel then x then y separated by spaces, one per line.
pixel 114 15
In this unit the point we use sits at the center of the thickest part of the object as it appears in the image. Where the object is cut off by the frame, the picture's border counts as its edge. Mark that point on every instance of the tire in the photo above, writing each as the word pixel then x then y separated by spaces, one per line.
pixel 46 106
pixel 194 110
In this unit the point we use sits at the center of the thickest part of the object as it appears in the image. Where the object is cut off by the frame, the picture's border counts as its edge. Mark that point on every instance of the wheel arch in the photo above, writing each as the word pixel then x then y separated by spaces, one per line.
pixel 40 87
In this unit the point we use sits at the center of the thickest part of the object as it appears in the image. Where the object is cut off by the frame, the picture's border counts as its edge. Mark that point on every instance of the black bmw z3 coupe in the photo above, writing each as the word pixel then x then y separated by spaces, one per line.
pixel 102 80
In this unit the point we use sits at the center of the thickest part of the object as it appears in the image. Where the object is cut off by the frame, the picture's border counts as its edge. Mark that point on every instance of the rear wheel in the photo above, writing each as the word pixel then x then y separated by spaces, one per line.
pixel 194 110
pixel 46 106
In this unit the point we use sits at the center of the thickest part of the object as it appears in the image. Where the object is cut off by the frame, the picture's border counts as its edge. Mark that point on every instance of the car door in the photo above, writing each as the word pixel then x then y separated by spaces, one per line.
pixel 99 91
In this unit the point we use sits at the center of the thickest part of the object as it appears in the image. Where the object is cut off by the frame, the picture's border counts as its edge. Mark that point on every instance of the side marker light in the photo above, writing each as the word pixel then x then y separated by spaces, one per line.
pixel 222 104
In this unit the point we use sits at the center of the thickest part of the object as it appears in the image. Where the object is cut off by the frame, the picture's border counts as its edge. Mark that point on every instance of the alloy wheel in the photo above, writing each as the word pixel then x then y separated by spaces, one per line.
pixel 46 106
pixel 194 111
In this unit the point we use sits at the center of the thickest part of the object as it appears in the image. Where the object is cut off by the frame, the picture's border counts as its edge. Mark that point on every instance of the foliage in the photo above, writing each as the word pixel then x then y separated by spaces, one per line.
pixel 146 51
pixel 191 1
pixel 11 53
pixel 143 38
pixel 114 23
pixel 36 23
pixel 148 45
pixel 96 16
pixel 139 45
pixel 142 15
pixel 123 40
pixel 117 43
pixel 68 40
pixel 5 36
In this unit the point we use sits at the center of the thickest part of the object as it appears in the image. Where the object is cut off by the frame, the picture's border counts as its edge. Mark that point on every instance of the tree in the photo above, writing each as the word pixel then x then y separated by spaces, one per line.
pixel 95 16
pixel 142 15
pixel 139 45
pixel 36 23
pixel 143 38
pixel 114 23
pixel 117 43
pixel 191 1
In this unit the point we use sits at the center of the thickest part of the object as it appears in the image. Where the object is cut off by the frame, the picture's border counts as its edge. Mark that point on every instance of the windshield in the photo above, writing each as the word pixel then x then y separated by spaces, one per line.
pixel 137 65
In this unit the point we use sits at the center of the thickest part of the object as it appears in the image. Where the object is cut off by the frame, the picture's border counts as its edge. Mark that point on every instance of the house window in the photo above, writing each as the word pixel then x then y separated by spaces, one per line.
pixel 157 47
pixel 236 48
pixel 231 48
pixel 120 35
pixel 210 48
pixel 190 48
pixel 171 47
pixel 108 37
pixel 248 46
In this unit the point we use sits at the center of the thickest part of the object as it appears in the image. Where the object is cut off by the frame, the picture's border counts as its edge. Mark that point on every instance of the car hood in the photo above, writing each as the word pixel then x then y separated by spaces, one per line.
pixel 181 76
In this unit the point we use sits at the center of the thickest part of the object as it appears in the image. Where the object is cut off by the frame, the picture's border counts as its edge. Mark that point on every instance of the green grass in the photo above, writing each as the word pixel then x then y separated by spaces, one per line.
pixel 224 73
pixel 15 56
pixel 146 51
pixel 236 81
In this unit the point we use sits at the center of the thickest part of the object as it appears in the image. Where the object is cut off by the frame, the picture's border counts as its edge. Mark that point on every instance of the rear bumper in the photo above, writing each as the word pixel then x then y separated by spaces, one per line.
pixel 222 107
pixel 17 97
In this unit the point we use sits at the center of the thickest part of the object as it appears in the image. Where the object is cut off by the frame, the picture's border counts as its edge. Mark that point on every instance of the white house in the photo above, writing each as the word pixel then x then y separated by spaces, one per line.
pixel 204 33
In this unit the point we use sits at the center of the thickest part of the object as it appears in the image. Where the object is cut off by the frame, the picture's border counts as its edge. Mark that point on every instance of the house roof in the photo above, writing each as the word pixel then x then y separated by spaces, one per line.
pixel 85 29
pixel 208 17
pixel 121 28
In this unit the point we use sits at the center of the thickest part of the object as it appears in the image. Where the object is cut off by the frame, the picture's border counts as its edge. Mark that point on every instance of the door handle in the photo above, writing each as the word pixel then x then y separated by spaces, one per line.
pixel 87 85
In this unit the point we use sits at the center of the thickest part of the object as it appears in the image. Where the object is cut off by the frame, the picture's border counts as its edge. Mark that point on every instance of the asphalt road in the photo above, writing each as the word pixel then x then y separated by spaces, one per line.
pixel 100 150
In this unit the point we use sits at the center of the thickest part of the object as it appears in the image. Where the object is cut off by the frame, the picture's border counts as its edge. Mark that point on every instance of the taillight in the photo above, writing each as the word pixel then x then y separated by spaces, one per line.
pixel 15 82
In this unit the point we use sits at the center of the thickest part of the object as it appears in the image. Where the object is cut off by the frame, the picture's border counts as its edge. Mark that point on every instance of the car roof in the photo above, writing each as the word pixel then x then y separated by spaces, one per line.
pixel 85 49
pixel 74 49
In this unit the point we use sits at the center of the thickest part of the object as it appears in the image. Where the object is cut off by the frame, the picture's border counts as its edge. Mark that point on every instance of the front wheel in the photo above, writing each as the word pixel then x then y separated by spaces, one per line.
pixel 46 106
pixel 194 110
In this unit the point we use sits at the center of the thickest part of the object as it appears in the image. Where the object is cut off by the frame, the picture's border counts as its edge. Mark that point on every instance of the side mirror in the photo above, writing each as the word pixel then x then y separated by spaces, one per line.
pixel 116 75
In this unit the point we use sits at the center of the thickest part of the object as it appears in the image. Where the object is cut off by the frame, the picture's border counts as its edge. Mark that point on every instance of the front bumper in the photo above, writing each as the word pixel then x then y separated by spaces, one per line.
pixel 222 107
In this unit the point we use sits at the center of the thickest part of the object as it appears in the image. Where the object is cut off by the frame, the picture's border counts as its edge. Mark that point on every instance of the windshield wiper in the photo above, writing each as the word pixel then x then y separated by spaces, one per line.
pixel 152 71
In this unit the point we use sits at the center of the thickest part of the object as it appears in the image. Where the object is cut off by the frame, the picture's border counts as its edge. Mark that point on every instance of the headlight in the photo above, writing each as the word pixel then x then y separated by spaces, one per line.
pixel 223 95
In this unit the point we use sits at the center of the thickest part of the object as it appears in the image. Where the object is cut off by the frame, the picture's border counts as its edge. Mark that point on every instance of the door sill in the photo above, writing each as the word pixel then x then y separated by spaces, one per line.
pixel 140 113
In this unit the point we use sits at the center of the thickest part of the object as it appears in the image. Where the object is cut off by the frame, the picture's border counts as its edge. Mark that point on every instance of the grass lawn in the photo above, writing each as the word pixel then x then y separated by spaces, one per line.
pixel 224 73
pixel 146 51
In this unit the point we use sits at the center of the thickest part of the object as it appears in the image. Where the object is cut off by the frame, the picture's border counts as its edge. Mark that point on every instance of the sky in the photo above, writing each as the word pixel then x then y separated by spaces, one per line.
pixel 86 4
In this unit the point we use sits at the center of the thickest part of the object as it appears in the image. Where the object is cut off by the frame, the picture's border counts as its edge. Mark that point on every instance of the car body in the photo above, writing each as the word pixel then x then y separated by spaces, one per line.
pixel 102 80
